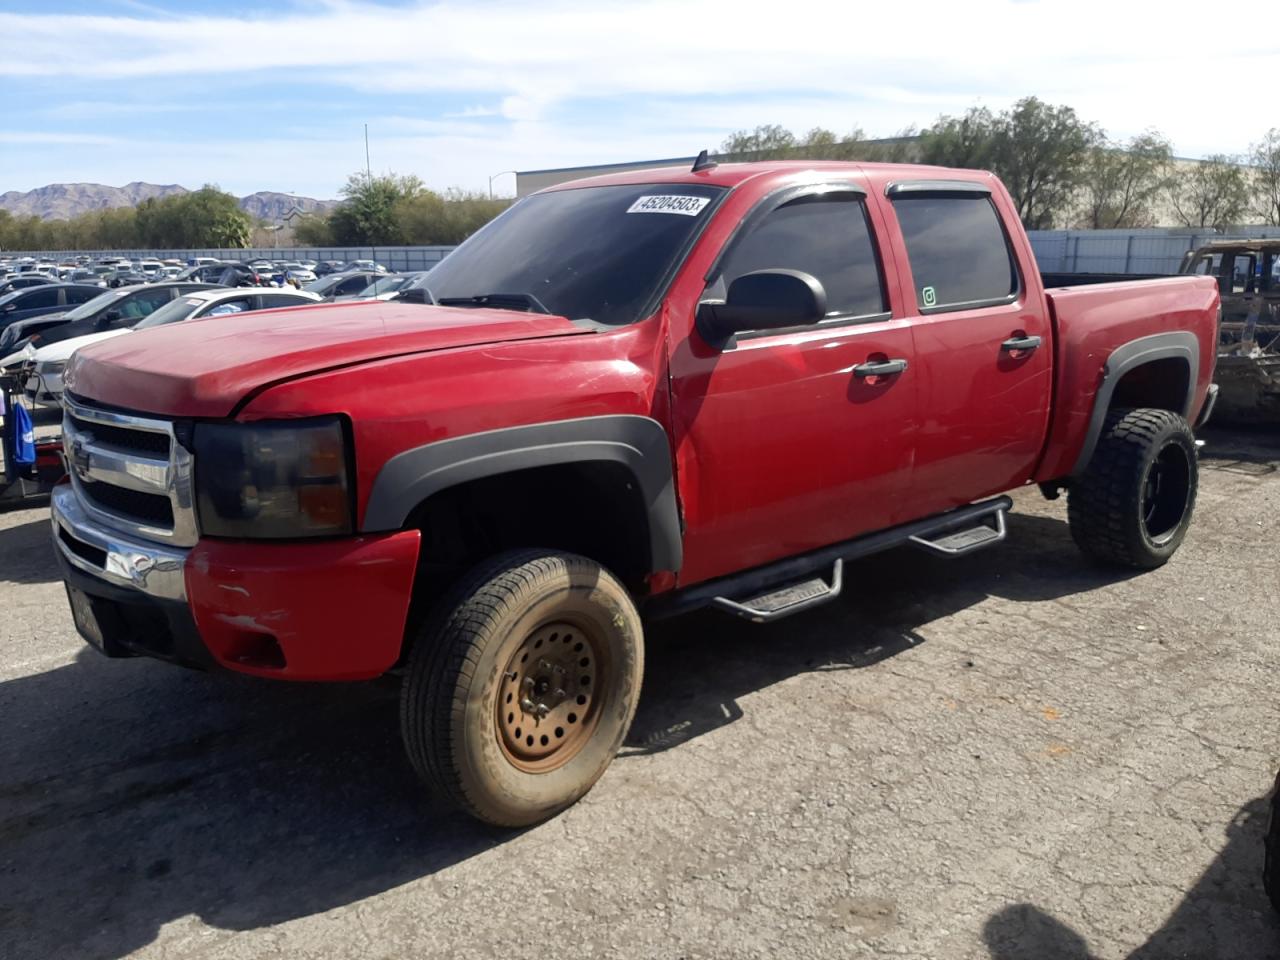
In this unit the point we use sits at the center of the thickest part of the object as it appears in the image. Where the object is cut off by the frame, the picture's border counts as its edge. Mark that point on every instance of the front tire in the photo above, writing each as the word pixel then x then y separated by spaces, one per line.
pixel 1133 504
pixel 520 690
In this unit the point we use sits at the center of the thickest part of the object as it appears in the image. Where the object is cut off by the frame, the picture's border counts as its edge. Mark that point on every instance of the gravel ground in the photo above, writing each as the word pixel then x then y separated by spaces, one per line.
pixel 1015 757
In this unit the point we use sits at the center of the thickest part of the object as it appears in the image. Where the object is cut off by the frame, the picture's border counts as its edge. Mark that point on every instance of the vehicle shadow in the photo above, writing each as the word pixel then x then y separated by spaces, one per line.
pixel 26 553
pixel 698 666
pixel 1226 913
pixel 134 794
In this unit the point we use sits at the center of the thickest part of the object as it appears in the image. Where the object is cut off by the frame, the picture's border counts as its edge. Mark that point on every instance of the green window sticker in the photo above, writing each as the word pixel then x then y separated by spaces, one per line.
pixel 929 297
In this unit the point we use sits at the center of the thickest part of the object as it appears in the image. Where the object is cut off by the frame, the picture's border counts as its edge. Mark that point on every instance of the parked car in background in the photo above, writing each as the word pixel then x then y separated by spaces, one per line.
pixel 326 267
pixel 87 275
pixel 245 275
pixel 23 281
pixel 297 273
pixel 109 310
pixel 1248 277
pixel 128 276
pixel 44 366
pixel 44 299
pixel 206 272
pixel 368 265
pixel 342 284
pixel 386 287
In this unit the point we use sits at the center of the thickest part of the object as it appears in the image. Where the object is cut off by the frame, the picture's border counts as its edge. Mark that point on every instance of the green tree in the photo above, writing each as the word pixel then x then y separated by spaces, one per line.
pixel 207 217
pixel 766 142
pixel 1122 182
pixel 1265 156
pixel 967 141
pixel 1213 192
pixel 312 230
pixel 432 218
pixel 367 214
pixel 1041 152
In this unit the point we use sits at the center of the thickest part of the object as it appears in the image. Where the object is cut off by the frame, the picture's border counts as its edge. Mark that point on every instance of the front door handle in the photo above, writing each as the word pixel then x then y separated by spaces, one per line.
pixel 879 368
pixel 1020 343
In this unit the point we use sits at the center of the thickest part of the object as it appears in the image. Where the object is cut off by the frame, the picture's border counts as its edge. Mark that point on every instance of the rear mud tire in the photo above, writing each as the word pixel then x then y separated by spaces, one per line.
pixel 1133 504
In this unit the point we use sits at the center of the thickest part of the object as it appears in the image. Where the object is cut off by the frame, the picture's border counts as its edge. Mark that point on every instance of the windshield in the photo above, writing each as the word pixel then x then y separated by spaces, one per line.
pixel 171 312
pixel 591 253
pixel 90 307
pixel 324 284
pixel 384 285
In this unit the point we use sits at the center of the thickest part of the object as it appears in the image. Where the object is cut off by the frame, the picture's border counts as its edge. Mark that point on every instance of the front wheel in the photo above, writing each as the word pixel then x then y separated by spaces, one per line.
pixel 1132 506
pixel 520 690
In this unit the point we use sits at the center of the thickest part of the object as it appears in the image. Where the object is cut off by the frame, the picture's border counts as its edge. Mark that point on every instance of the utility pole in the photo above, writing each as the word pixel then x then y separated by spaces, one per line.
pixel 368 169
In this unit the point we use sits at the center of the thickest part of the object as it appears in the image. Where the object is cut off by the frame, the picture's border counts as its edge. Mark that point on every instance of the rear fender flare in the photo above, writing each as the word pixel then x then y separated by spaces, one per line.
pixel 639 444
pixel 1174 345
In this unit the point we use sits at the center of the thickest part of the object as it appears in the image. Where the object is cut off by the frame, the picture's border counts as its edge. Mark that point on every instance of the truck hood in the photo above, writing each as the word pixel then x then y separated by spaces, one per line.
pixel 204 368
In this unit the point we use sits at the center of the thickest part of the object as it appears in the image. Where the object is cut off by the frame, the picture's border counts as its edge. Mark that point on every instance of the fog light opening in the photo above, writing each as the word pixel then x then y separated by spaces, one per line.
pixel 259 650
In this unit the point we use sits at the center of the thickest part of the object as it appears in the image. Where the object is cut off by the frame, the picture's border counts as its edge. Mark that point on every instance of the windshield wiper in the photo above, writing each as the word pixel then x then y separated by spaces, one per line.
pixel 500 301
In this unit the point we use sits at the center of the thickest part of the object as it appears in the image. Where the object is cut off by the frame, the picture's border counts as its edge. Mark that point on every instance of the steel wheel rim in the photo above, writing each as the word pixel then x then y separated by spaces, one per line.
pixel 1166 491
pixel 549 696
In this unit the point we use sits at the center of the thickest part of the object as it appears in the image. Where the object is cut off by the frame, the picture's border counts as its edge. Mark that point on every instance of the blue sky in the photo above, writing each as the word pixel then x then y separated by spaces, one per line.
pixel 274 96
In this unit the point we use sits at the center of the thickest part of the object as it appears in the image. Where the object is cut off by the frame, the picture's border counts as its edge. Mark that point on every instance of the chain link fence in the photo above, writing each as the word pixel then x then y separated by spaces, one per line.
pixel 1056 251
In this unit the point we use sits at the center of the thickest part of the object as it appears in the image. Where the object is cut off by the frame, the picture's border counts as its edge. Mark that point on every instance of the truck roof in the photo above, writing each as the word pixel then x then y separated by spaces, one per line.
pixel 732 174
pixel 1243 243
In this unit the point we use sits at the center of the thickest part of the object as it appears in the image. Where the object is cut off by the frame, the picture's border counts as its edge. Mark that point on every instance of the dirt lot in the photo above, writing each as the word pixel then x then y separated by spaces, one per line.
pixel 1013 756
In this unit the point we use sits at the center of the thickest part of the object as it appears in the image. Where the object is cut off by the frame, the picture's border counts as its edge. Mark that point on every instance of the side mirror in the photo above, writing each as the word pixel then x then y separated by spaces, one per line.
pixel 764 300
pixel 416 295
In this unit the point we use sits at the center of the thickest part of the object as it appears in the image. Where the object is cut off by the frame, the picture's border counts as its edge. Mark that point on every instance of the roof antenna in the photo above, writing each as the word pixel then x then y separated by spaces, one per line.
pixel 703 163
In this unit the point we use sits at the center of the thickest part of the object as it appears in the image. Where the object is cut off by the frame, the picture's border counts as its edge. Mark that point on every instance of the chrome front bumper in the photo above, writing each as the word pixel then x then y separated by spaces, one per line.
pixel 94 548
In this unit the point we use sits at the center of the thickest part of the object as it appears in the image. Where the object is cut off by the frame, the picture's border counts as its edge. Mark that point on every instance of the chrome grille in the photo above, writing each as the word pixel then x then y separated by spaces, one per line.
pixel 129 472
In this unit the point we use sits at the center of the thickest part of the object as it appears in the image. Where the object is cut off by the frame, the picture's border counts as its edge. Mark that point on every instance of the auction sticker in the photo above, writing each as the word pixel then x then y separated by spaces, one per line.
pixel 669 203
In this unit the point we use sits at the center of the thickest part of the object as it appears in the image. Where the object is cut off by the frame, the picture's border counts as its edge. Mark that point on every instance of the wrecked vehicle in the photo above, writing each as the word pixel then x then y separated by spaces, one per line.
pixel 1248 374
pixel 624 398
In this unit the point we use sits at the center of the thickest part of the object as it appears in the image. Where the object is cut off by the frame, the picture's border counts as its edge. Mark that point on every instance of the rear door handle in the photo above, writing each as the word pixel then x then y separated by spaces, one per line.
pixel 1020 343
pixel 881 368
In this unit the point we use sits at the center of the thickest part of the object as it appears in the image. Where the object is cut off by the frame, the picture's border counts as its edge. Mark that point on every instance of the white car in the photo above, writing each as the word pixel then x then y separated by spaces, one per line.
pixel 44 366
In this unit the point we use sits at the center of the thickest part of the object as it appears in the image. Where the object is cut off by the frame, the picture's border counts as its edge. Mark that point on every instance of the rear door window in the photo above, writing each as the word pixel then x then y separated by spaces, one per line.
pixel 282 300
pixel 39 299
pixel 960 256
pixel 224 307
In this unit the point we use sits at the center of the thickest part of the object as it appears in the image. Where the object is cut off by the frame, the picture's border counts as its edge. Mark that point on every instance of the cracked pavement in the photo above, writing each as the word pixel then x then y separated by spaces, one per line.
pixel 1015 756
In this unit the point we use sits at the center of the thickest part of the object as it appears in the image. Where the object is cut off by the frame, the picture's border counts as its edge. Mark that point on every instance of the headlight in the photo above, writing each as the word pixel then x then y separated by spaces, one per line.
pixel 276 479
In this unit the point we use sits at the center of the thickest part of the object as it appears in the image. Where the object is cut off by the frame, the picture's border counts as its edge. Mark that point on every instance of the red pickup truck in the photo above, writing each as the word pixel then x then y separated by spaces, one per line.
pixel 625 398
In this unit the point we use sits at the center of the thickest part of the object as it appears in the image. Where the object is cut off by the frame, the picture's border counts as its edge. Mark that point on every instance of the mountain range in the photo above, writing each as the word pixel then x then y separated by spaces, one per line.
pixel 62 201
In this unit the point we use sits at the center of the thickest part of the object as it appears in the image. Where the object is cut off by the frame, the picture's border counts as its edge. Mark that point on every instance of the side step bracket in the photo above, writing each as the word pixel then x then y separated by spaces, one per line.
pixel 957 543
pixel 784 601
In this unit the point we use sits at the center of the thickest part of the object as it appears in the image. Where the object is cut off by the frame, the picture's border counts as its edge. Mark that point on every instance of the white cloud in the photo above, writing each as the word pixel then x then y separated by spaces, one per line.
pixel 576 81
pixel 42 138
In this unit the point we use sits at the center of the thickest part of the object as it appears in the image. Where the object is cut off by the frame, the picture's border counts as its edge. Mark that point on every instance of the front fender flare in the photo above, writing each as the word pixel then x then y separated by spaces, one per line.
pixel 637 443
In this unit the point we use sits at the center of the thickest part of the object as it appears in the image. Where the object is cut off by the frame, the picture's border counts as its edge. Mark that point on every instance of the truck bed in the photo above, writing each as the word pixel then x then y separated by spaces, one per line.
pixel 1092 320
